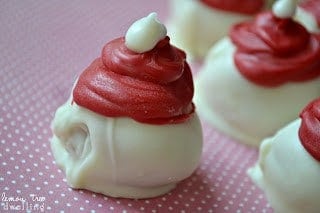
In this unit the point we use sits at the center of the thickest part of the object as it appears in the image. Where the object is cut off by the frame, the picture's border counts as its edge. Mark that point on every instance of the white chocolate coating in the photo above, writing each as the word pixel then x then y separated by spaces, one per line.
pixel 120 157
pixel 287 173
pixel 241 109
pixel 308 20
pixel 195 27
pixel 145 33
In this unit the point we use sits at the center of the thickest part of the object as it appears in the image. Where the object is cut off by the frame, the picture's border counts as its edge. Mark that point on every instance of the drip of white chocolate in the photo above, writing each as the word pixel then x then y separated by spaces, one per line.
pixel 285 8
pixel 144 34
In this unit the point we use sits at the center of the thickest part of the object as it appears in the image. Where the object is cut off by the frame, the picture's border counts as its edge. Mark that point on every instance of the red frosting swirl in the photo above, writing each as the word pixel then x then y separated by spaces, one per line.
pixel 309 131
pixel 272 51
pixel 154 87
pixel 244 6
pixel 312 6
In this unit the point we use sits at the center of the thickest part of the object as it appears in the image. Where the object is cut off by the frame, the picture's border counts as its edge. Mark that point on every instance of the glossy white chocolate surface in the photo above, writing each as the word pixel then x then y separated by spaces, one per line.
pixel 195 27
pixel 307 19
pixel 120 157
pixel 287 173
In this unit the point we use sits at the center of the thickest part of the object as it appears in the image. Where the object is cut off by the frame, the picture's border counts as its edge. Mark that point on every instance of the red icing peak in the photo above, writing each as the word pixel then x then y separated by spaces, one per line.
pixel 163 64
pixel 312 6
pixel 243 6
pixel 309 132
pixel 153 87
pixel 272 51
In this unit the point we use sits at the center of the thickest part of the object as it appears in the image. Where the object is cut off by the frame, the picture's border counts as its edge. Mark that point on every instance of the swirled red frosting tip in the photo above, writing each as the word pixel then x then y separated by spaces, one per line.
pixel 154 87
pixel 309 131
pixel 272 51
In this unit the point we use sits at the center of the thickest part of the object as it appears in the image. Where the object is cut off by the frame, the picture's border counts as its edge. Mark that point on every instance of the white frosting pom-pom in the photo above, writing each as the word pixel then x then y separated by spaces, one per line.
pixel 285 8
pixel 145 33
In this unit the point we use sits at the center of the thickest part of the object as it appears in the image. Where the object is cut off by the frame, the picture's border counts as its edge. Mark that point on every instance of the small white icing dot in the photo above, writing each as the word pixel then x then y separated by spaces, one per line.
pixel 145 33
pixel 284 8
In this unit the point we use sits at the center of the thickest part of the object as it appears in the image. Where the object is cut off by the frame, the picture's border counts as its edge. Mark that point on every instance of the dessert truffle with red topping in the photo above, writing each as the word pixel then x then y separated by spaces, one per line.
pixel 260 76
pixel 195 25
pixel 129 128
pixel 288 169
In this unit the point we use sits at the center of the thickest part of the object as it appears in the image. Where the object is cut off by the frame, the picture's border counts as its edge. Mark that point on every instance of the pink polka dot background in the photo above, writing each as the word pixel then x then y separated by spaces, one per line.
pixel 44 45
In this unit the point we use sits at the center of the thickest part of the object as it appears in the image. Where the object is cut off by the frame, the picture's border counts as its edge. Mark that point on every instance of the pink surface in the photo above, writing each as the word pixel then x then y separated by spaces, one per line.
pixel 44 45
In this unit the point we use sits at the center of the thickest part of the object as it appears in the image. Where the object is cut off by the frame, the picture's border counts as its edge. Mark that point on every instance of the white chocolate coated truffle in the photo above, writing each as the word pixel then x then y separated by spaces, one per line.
pixel 241 109
pixel 287 173
pixel 195 27
pixel 120 157
pixel 307 19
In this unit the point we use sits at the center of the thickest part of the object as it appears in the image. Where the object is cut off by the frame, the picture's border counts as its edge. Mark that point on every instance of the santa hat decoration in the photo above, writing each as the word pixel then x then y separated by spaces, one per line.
pixel 309 131
pixel 140 76
pixel 273 49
